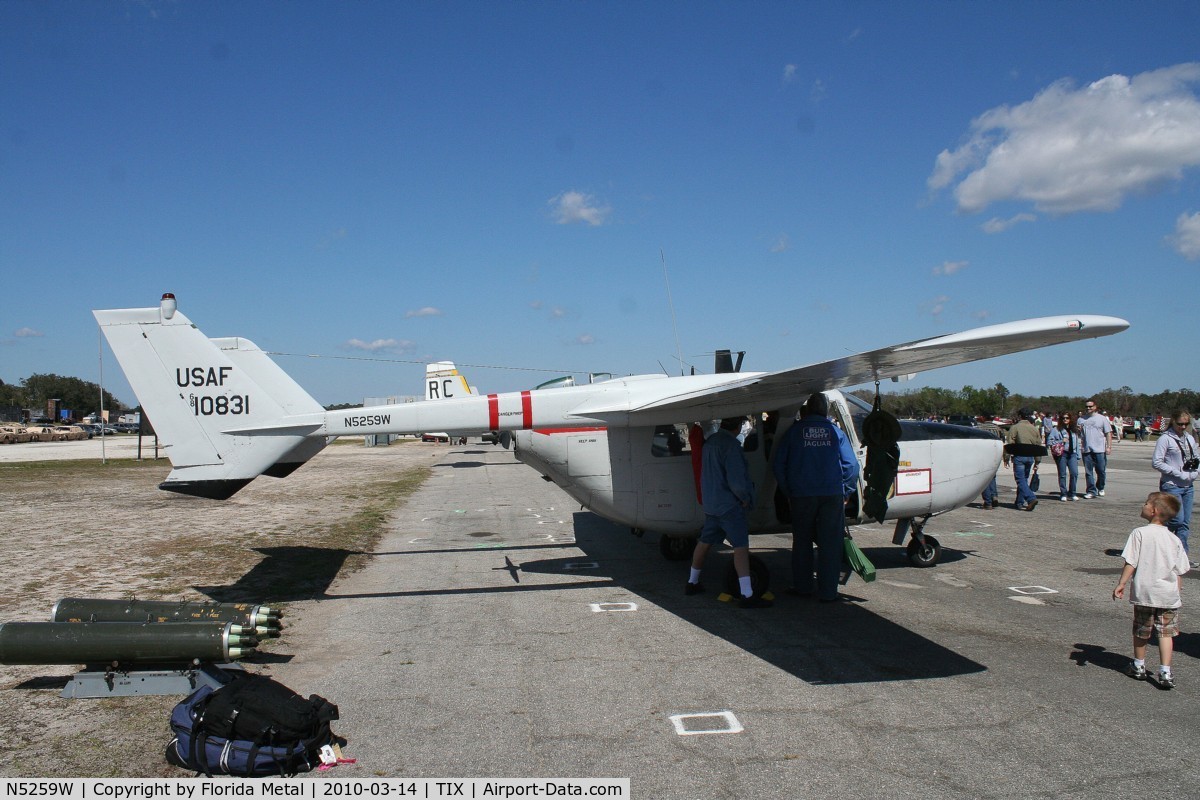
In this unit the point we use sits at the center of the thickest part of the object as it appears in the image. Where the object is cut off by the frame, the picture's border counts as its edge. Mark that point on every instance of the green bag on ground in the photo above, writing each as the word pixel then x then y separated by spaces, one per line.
pixel 859 561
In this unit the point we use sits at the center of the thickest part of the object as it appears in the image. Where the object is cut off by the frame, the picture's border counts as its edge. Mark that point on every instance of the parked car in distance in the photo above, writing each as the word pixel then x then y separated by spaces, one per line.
pixel 69 433
pixel 13 434
pixel 40 433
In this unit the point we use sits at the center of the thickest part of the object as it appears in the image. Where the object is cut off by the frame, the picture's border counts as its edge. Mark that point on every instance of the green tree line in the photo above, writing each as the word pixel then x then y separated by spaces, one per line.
pixel 998 401
pixel 80 396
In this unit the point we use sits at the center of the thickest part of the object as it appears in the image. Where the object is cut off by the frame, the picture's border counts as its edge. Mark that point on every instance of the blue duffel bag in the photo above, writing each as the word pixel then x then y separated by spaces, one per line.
pixel 252 726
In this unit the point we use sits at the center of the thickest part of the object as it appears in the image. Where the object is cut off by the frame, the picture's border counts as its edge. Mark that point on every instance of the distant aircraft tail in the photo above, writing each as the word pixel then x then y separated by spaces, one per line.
pixel 194 389
pixel 444 382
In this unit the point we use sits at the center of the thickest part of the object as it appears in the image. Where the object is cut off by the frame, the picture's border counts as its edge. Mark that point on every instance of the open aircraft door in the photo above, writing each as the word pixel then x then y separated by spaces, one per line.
pixel 839 411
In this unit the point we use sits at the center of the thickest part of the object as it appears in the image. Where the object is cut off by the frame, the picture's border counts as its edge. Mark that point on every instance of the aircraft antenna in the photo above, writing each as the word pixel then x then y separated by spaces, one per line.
pixel 671 305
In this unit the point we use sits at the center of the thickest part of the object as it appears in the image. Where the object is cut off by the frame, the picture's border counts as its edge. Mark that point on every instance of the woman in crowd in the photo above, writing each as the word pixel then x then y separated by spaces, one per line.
pixel 1063 442
pixel 1177 458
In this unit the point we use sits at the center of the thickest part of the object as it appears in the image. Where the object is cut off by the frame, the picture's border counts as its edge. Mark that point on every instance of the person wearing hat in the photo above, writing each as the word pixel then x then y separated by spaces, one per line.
pixel 728 493
pixel 1023 448
pixel 816 466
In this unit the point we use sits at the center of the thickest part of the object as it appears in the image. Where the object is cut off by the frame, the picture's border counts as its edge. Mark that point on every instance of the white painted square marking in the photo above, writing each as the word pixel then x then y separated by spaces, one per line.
pixel 730 723
pixel 1032 590
pixel 599 607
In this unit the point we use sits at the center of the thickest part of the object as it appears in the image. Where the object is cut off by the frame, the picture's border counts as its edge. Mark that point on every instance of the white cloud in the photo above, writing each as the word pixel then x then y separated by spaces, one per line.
pixel 949 267
pixel 936 306
pixel 427 311
pixel 571 207
pixel 1186 238
pixel 789 73
pixel 328 241
pixel 817 91
pixel 1072 149
pixel 997 225
pixel 27 333
pixel 782 244
pixel 585 338
pixel 536 305
pixel 394 345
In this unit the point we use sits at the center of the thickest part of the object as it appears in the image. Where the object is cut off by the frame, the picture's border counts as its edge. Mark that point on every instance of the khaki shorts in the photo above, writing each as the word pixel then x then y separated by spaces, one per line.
pixel 1146 619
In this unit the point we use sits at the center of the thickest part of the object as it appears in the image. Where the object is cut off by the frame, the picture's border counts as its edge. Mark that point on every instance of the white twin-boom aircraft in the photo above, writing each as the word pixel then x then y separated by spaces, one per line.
pixel 227 413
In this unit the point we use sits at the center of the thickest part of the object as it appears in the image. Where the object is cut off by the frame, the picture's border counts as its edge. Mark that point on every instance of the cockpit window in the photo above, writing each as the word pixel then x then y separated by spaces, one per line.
pixel 915 430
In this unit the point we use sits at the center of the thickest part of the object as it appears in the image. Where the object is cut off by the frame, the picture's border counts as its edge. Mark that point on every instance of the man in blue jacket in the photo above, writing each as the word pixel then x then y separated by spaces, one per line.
pixel 728 493
pixel 818 470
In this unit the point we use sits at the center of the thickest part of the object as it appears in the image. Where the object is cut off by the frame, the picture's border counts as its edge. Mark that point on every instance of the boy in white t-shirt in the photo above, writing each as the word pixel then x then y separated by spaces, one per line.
pixel 1155 560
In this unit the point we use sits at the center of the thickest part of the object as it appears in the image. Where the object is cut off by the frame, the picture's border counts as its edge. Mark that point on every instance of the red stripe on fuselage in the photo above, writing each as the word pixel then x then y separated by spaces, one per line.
pixel 552 431
pixel 493 412
pixel 526 411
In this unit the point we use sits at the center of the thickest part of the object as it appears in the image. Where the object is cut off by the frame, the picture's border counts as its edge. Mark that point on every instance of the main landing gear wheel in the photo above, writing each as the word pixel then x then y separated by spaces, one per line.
pixel 760 578
pixel 676 548
pixel 925 552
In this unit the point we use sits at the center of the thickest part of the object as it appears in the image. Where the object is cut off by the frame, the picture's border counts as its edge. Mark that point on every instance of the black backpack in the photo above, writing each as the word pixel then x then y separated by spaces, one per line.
pixel 251 726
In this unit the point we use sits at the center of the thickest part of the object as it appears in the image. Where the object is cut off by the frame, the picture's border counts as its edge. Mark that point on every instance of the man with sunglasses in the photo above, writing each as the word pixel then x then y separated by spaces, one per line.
pixel 1097 445
pixel 1177 459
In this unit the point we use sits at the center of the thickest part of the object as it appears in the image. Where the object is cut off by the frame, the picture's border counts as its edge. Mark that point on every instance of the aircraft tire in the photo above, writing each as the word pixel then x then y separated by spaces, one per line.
pixel 676 548
pixel 760 578
pixel 924 556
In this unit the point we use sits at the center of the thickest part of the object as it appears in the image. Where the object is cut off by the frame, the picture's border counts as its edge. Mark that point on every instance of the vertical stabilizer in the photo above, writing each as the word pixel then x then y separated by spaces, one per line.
pixel 444 382
pixel 193 391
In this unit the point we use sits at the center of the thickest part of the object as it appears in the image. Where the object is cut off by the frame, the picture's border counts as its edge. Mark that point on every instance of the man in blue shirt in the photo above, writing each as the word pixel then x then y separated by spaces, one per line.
pixel 816 466
pixel 728 494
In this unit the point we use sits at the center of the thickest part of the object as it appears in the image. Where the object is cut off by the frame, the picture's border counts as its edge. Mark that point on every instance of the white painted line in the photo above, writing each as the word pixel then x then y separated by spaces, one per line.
pixel 421 540
pixel 731 724
pixel 582 565
pixel 1032 590
pixel 600 607
pixel 1029 601
pixel 550 522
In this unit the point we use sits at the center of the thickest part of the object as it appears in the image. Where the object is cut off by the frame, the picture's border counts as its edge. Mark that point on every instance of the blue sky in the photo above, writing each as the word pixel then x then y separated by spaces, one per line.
pixel 500 183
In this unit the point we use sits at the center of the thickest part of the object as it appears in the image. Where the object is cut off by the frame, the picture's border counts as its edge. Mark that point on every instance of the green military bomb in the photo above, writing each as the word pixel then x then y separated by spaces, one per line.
pixel 123 642
pixel 264 619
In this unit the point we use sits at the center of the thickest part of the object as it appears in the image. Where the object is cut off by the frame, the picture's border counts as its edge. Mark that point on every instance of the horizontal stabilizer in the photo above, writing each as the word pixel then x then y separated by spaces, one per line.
pixel 213 490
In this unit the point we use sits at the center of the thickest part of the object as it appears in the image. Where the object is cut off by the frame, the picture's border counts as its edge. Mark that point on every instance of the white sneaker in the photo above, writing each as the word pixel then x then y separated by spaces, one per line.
pixel 1074 497
pixel 1089 496
pixel 1101 493
pixel 1063 498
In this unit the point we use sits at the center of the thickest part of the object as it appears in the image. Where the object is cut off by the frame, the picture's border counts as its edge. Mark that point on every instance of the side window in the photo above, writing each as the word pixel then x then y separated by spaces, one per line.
pixel 670 440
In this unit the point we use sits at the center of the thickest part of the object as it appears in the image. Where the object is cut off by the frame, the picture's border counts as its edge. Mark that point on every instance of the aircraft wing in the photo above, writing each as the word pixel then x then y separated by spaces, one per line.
pixel 779 389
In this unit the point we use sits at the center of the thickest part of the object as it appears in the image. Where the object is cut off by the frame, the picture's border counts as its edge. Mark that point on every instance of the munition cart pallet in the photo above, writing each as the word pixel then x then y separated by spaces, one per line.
pixel 146 679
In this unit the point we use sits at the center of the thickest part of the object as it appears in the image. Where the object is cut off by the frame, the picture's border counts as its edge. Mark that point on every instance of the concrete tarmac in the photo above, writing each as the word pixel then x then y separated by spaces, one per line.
pixel 500 631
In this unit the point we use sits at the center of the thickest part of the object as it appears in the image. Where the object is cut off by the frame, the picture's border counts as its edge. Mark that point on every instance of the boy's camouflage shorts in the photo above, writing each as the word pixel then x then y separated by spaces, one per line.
pixel 1147 619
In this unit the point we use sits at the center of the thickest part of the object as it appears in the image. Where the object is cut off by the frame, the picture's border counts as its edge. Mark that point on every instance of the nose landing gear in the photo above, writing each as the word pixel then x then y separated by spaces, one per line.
pixel 923 550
